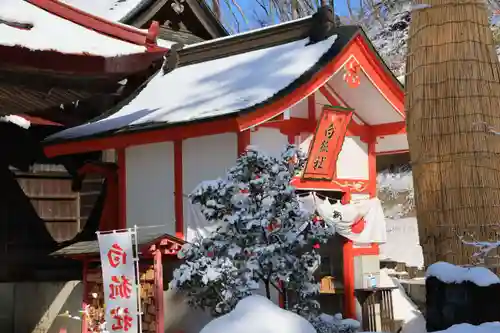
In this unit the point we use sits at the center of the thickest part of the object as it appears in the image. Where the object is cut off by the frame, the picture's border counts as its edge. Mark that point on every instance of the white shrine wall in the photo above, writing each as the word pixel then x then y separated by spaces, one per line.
pixel 150 186
pixel 268 140
pixel 203 159
pixel 391 143
pixel 352 162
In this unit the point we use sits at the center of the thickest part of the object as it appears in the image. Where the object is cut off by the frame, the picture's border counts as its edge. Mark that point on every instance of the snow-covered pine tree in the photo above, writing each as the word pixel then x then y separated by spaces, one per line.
pixel 263 237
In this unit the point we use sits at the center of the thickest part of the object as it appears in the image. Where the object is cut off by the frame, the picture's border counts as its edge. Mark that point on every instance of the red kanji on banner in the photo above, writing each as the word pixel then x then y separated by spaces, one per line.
pixel 120 287
pixel 123 320
pixel 116 256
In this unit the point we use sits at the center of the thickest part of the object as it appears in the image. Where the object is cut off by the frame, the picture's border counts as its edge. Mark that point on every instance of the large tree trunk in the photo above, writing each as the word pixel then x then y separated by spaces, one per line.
pixel 453 90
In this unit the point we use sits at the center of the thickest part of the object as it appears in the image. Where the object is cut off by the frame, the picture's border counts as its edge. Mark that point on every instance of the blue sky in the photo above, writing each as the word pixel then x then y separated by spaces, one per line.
pixel 248 6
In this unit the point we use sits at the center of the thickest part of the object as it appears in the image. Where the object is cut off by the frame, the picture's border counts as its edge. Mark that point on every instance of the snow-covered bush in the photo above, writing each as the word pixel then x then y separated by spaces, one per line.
pixel 263 238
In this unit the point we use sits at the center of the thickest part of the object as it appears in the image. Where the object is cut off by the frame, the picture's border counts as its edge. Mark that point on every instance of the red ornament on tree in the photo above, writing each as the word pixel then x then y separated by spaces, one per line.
pixel 316 246
pixel 244 190
pixel 210 254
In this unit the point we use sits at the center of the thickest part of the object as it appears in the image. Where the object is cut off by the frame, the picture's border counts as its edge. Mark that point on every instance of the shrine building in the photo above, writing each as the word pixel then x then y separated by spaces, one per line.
pixel 305 82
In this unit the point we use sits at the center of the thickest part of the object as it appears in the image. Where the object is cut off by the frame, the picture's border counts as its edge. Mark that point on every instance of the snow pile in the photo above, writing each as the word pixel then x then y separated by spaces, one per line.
pixel 50 32
pixel 257 314
pixel 404 309
pixel 450 273
pixel 468 328
pixel 16 120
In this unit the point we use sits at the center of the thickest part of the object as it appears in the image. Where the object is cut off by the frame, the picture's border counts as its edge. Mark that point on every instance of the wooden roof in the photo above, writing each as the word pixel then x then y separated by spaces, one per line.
pixel 91 248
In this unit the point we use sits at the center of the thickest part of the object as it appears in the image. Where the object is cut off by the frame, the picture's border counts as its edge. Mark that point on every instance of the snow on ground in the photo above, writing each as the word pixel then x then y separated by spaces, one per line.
pixel 257 314
pixel 468 328
pixel 403 307
pixel 450 273
pixel 50 32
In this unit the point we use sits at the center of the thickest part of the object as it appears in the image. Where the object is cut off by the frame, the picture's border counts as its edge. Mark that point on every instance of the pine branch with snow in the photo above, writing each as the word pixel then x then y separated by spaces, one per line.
pixel 264 238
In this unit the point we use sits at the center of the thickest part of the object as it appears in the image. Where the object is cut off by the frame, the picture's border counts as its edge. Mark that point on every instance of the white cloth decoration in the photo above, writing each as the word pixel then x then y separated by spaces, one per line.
pixel 370 210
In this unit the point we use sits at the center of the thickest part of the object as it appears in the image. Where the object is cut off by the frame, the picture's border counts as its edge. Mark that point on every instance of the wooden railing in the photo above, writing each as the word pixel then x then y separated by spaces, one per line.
pixel 377 310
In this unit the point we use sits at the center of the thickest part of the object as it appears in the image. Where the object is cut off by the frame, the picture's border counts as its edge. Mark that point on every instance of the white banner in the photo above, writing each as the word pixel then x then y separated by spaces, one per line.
pixel 119 282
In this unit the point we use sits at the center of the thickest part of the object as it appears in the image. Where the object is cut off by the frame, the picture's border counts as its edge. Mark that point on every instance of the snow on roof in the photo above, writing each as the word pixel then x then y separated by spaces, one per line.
pixel 211 89
pixel 16 120
pixel 112 10
pixel 450 273
pixel 50 32
pixel 257 314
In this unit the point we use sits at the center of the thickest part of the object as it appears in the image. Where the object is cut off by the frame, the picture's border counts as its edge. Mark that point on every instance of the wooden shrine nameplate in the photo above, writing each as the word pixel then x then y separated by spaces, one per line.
pixel 327 144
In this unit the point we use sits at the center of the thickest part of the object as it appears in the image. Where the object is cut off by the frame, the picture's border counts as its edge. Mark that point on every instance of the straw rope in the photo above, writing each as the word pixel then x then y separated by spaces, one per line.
pixel 453 84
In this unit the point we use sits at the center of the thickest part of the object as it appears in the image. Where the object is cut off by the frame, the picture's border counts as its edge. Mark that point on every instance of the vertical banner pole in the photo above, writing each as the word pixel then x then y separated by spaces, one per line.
pixel 138 279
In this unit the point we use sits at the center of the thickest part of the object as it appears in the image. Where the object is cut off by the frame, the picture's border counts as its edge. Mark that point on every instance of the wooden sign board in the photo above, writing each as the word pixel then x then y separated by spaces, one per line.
pixel 327 144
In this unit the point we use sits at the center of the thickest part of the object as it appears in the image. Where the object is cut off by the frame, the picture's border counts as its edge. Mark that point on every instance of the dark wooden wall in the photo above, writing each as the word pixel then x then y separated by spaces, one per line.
pixel 65 212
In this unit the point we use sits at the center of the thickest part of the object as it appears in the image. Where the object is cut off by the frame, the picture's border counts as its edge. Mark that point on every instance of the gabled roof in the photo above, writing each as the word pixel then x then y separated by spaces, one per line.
pixel 221 78
pixel 241 80
pixel 139 12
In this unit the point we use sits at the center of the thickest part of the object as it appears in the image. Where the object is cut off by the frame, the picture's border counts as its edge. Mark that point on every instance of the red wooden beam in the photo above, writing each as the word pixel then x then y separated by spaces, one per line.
pixel 178 190
pixel 98 24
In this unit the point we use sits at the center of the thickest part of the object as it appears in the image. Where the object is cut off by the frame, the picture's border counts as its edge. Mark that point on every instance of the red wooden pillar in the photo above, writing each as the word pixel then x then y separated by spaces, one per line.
pixel 348 259
pixel 158 266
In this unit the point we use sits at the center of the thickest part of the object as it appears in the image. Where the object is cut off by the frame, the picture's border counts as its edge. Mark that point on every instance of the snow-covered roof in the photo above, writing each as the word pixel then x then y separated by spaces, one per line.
pixel 51 32
pixel 112 10
pixel 214 88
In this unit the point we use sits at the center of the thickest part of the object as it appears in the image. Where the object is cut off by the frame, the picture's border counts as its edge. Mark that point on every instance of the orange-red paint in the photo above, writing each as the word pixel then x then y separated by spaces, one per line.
pixel 192 130
pixel 292 126
pixel 311 107
pixel 243 141
pixel 389 129
pixel 326 144
pixel 372 168
pixel 109 219
pixel 160 313
pixel 178 190
pixel 122 187
pixel 353 185
pixel 271 110
pixel 349 297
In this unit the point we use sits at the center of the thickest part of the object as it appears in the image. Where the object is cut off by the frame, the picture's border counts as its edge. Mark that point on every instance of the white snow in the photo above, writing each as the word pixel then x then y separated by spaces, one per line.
pixel 51 32
pixel 450 273
pixel 213 88
pixel 468 328
pixel 403 243
pixel 403 307
pixel 257 314
pixel 16 120
pixel 113 10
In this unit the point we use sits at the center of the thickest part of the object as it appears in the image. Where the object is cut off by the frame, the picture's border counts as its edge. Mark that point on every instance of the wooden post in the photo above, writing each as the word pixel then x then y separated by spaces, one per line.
pixel 348 260
pixel 85 296
pixel 158 267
